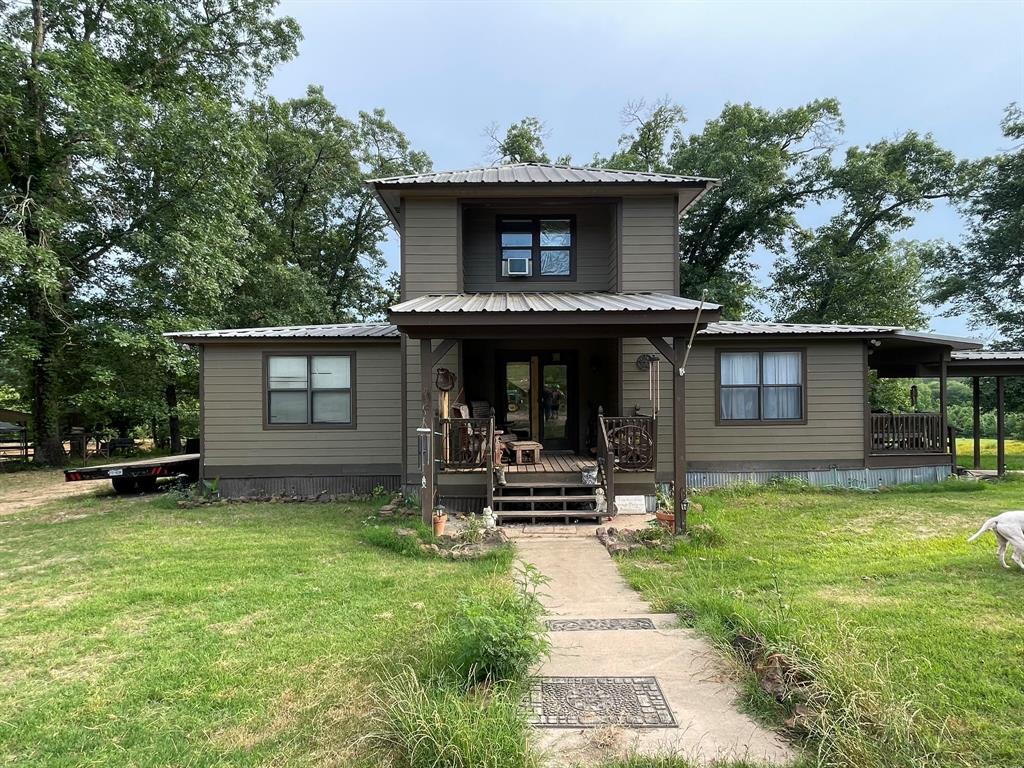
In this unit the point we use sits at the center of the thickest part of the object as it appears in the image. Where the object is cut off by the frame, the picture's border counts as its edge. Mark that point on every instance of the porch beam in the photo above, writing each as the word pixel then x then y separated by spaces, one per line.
pixel 442 349
pixel 1000 427
pixel 679 432
pixel 663 347
pixel 976 393
pixel 427 404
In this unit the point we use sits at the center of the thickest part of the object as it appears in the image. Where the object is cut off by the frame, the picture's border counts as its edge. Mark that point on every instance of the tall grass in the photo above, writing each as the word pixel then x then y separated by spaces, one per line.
pixel 434 724
pixel 458 703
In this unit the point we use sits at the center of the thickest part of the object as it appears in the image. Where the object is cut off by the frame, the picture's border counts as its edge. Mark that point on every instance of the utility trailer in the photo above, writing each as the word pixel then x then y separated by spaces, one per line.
pixel 139 476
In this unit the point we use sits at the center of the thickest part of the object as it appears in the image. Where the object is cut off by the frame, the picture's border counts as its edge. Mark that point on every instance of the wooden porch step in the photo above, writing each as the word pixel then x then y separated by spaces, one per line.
pixel 544 513
pixel 544 499
pixel 554 484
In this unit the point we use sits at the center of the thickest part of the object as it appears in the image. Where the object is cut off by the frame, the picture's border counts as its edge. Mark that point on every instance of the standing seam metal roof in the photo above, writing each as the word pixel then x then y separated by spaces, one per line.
pixel 595 301
pixel 988 354
pixel 337 331
pixel 541 173
pixel 738 328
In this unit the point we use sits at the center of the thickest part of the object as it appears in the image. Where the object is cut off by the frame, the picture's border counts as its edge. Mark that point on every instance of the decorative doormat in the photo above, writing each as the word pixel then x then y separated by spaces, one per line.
pixel 592 702
pixel 582 625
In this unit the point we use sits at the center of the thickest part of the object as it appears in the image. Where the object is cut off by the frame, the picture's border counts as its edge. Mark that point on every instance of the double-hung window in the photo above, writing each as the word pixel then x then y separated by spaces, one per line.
pixel 762 386
pixel 538 247
pixel 309 390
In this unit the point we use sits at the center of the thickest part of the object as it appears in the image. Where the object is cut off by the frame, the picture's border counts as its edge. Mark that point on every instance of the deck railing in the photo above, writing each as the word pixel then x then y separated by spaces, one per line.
pixel 633 441
pixel 907 433
pixel 467 443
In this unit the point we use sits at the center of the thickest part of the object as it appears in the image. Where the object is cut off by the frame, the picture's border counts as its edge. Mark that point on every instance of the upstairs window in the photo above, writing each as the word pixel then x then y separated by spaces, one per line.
pixel 537 247
pixel 309 391
pixel 763 386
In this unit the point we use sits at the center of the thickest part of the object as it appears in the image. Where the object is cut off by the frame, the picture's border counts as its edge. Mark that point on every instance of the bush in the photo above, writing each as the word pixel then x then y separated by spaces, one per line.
pixel 414 725
pixel 497 635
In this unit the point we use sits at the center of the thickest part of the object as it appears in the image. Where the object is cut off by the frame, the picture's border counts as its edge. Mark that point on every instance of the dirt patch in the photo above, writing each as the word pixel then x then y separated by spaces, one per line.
pixel 27 490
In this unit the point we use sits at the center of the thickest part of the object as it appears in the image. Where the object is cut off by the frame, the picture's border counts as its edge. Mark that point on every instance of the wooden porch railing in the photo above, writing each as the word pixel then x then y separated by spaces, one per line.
pixel 469 444
pixel 633 440
pixel 626 443
pixel 907 433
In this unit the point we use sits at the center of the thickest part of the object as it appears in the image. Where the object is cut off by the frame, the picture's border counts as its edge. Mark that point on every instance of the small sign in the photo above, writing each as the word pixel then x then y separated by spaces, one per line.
pixel 115 473
pixel 630 505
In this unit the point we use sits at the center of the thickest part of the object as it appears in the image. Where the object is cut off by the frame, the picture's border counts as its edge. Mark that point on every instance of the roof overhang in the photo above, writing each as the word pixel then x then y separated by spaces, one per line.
pixel 566 315
pixel 352 333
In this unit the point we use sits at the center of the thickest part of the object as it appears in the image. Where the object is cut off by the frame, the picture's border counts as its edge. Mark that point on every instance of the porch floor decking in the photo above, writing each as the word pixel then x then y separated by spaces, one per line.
pixel 554 461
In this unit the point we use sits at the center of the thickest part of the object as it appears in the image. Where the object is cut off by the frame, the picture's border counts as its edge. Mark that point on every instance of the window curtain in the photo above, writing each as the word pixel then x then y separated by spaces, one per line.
pixel 783 379
pixel 739 368
pixel 739 376
pixel 782 368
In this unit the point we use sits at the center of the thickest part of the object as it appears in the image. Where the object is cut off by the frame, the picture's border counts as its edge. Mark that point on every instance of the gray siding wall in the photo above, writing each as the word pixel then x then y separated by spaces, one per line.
pixel 834 431
pixel 649 238
pixel 429 265
pixel 595 248
pixel 233 430
pixel 636 394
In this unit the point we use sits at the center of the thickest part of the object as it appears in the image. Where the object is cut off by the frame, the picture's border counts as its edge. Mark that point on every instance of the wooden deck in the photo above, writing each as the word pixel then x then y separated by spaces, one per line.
pixel 549 462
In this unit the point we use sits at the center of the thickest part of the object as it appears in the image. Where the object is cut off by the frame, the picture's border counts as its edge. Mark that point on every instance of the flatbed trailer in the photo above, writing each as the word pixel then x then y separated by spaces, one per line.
pixel 138 476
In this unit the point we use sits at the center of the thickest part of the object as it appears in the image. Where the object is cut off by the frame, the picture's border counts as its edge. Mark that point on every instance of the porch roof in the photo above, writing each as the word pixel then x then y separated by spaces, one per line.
pixel 987 362
pixel 590 313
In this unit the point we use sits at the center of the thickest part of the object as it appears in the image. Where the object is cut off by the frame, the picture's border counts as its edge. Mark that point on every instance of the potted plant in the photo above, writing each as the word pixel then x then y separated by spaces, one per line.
pixel 664 514
pixel 440 519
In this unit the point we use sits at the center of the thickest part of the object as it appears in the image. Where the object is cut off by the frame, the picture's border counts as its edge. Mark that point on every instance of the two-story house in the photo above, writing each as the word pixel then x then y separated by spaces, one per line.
pixel 540 335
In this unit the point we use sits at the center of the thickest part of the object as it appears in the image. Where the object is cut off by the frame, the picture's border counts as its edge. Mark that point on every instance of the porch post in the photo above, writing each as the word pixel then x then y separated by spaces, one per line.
pixel 1000 427
pixel 427 490
pixel 679 433
pixel 943 430
pixel 976 387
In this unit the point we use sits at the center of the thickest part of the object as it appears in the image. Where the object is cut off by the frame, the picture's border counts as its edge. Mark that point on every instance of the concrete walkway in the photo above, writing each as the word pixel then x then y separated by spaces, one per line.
pixel 700 691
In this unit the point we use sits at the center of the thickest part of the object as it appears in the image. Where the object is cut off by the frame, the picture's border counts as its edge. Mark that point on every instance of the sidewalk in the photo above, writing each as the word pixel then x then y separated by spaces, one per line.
pixel 698 717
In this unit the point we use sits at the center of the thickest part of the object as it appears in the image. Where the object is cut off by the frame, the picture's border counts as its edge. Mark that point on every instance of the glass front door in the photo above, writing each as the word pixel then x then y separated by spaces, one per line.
pixel 538 398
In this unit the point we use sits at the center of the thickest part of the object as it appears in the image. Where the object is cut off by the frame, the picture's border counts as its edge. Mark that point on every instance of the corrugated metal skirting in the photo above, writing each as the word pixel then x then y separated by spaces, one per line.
pixel 306 487
pixel 868 479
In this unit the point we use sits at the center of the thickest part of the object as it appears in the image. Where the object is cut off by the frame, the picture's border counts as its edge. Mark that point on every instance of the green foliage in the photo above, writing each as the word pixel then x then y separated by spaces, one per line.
pixel 851 270
pixel 523 142
pixel 144 192
pixel 771 164
pixel 419 725
pixel 984 277
pixel 893 395
pixel 473 529
pixel 497 635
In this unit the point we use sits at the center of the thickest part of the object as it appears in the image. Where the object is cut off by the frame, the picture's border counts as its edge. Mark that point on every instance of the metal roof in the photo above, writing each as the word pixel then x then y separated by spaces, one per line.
pixel 740 328
pixel 541 173
pixel 342 331
pixel 591 301
pixel 987 354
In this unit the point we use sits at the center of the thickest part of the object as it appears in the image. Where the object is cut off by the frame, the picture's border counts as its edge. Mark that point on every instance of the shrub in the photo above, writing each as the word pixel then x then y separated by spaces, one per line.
pixel 414 725
pixel 497 635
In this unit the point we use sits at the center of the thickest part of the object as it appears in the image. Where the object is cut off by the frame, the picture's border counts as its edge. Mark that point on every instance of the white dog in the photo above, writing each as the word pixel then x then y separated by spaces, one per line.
pixel 1009 529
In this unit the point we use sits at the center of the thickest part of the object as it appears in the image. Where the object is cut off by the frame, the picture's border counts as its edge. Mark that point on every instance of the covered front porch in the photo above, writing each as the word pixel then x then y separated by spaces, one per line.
pixel 535 427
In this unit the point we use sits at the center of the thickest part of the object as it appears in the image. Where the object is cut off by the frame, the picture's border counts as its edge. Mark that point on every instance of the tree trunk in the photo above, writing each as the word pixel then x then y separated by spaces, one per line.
pixel 173 421
pixel 49 449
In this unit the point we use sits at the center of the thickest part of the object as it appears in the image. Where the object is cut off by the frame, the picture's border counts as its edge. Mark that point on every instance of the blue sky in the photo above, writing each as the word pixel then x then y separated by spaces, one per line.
pixel 444 71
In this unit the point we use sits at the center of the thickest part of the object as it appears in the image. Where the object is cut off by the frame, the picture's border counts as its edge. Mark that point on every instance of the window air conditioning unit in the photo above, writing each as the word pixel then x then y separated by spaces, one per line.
pixel 518 266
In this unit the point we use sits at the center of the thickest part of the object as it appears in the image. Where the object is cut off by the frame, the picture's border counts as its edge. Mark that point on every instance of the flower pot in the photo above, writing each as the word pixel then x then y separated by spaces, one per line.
pixel 439 523
pixel 667 519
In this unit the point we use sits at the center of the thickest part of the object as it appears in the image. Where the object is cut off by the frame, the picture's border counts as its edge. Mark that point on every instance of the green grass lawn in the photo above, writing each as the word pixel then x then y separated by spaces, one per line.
pixel 137 633
pixel 965 453
pixel 915 632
